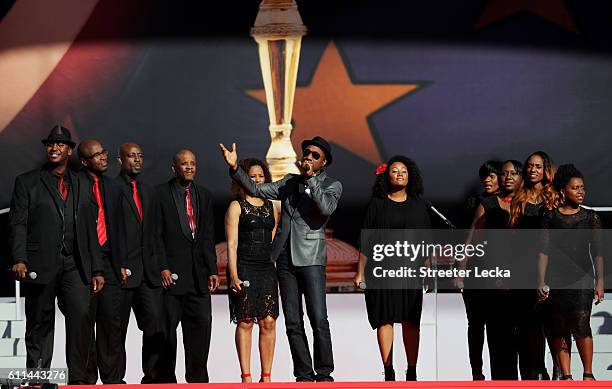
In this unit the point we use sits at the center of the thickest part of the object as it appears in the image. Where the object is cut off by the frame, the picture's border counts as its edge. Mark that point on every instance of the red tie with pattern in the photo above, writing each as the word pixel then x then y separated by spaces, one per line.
pixel 101 219
pixel 190 215
pixel 61 187
pixel 136 198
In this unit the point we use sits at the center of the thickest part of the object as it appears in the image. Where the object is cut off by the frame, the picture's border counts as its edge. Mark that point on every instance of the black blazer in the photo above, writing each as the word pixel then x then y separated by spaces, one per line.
pixel 178 250
pixel 115 231
pixel 141 249
pixel 35 223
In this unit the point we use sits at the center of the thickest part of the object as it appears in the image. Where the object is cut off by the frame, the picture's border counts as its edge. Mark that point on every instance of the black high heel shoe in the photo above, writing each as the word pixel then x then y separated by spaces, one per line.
pixel 588 375
pixel 411 374
pixel 389 373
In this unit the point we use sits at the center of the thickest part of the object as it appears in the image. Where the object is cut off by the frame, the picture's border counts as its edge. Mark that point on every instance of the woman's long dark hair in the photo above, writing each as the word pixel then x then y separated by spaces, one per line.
pixel 548 196
pixel 415 181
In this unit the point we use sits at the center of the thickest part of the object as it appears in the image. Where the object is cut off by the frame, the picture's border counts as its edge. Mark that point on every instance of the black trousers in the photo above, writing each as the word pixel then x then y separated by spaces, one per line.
pixel 108 329
pixel 307 281
pixel 531 342
pixel 501 336
pixel 476 306
pixel 147 302
pixel 75 302
pixel 491 311
pixel 193 312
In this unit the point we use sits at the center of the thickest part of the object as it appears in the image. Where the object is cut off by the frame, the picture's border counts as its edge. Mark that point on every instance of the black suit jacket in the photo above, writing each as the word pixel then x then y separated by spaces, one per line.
pixel 115 230
pixel 178 250
pixel 35 223
pixel 141 247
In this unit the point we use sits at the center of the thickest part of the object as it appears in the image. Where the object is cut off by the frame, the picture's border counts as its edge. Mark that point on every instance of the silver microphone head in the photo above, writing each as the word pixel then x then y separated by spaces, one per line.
pixel 546 289
pixel 128 272
pixel 174 276
pixel 33 275
pixel 246 283
pixel 362 285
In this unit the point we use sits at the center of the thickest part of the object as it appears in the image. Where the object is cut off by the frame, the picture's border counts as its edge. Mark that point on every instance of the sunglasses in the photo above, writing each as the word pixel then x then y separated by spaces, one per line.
pixel 315 154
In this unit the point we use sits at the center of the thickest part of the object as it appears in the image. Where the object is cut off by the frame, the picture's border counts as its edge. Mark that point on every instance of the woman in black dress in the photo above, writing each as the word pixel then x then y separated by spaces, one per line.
pixel 565 263
pixel 250 224
pixel 395 204
pixel 488 307
pixel 529 204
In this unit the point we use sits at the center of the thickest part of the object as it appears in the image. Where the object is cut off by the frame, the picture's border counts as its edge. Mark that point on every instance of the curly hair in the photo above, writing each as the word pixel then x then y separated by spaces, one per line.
pixel 548 195
pixel 246 164
pixel 415 180
pixel 563 176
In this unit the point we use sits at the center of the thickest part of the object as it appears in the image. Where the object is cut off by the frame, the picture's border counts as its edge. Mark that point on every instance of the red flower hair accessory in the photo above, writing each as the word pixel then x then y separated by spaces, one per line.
pixel 381 169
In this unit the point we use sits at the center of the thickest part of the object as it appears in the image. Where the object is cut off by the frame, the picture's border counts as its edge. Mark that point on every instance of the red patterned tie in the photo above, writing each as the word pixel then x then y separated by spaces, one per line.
pixel 61 187
pixel 136 198
pixel 190 215
pixel 101 219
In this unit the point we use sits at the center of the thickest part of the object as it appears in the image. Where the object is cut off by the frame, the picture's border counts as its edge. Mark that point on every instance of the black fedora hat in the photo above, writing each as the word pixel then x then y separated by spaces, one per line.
pixel 320 143
pixel 59 134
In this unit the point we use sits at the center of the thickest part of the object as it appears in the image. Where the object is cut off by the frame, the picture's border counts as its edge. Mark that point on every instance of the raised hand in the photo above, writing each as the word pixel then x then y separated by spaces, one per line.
pixel 230 156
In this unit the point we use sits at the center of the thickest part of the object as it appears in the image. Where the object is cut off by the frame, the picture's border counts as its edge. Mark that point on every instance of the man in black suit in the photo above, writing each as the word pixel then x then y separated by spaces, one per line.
pixel 55 251
pixel 105 194
pixel 187 250
pixel 140 271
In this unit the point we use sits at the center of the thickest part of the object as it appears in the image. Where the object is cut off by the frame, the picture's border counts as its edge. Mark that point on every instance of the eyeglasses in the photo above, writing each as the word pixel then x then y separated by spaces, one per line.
pixel 315 154
pixel 97 155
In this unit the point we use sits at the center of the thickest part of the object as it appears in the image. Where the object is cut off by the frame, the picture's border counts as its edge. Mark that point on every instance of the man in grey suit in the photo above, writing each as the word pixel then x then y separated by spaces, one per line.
pixel 300 251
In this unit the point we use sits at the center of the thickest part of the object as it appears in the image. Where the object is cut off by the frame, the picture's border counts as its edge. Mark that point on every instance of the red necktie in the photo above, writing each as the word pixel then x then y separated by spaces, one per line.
pixel 190 215
pixel 61 187
pixel 101 219
pixel 136 198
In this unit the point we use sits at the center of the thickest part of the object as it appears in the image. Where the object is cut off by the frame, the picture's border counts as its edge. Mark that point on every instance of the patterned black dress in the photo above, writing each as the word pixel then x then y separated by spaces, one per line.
pixel 570 241
pixel 260 299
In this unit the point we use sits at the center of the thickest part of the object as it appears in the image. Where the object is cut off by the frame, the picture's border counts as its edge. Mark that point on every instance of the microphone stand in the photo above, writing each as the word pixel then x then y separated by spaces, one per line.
pixel 452 227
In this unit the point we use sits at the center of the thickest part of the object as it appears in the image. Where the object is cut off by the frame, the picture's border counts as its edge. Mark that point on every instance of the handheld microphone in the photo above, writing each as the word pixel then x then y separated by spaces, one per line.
pixel 128 272
pixel 32 275
pixel 440 215
pixel 546 290
pixel 246 283
pixel 174 276
pixel 362 285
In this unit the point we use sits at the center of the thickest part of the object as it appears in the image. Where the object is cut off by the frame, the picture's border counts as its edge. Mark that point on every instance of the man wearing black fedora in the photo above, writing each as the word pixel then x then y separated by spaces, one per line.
pixel 300 251
pixel 55 253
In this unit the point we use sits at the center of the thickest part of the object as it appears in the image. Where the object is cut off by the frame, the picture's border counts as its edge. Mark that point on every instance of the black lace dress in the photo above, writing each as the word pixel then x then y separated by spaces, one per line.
pixel 260 299
pixel 570 241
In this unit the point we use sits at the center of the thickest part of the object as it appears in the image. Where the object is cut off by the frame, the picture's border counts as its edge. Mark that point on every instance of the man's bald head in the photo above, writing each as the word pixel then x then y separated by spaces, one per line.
pixel 184 165
pixel 85 147
pixel 93 156
pixel 131 159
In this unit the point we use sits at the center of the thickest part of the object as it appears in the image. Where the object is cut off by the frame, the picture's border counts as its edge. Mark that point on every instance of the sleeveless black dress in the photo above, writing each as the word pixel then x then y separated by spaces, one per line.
pixel 260 299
